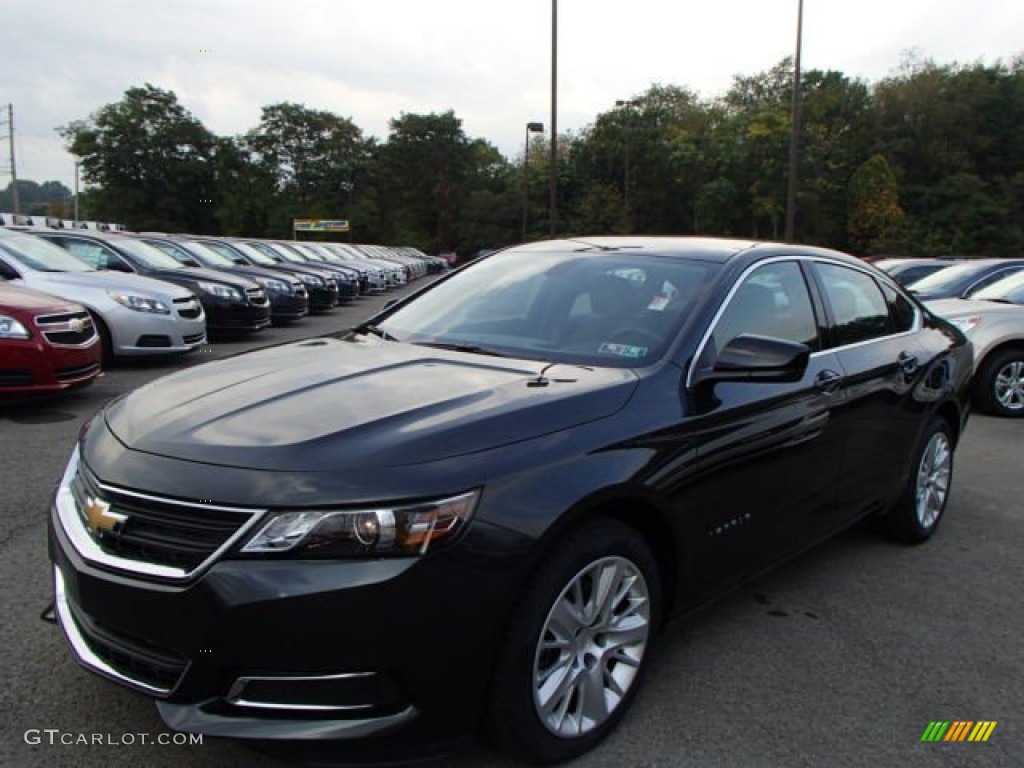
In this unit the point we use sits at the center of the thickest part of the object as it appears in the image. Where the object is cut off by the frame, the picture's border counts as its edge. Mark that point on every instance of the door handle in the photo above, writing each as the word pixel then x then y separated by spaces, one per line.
pixel 907 363
pixel 828 381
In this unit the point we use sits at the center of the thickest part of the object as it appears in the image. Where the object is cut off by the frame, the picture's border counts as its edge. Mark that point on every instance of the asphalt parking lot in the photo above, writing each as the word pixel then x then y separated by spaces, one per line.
pixel 840 658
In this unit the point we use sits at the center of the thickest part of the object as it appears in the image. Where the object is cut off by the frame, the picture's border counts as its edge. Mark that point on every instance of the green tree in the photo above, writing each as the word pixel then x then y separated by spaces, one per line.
pixel 309 156
pixel 426 171
pixel 874 204
pixel 152 163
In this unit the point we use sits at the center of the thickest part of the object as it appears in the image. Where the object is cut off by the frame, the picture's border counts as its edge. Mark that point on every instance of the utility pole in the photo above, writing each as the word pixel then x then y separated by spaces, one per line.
pixel 794 138
pixel 14 171
pixel 553 180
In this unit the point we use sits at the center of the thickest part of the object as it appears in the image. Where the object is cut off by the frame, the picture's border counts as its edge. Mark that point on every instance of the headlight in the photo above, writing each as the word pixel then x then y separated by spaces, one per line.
pixel 277 286
pixel 409 530
pixel 221 291
pixel 966 324
pixel 12 329
pixel 140 303
pixel 312 280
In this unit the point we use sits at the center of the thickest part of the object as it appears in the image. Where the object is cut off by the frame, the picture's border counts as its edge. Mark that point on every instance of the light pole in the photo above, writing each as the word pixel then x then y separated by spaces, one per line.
pixel 794 136
pixel 530 128
pixel 348 186
pixel 76 191
pixel 553 171
pixel 627 105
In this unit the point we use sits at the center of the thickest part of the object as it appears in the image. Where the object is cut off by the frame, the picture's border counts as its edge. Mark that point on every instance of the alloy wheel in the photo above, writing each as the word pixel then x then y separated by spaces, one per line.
pixel 591 646
pixel 933 476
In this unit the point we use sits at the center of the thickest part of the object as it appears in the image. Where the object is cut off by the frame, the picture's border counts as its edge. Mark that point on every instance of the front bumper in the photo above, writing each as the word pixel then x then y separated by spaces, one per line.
pixel 223 315
pixel 296 649
pixel 141 333
pixel 33 365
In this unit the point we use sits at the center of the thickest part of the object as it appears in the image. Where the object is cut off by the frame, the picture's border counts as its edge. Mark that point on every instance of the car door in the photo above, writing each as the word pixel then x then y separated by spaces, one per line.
pixel 876 341
pixel 768 454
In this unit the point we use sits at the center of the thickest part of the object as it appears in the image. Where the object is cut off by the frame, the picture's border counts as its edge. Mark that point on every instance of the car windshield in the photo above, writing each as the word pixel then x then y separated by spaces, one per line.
pixel 285 253
pixel 616 309
pixel 946 278
pixel 208 255
pixel 1009 289
pixel 148 255
pixel 255 254
pixel 37 254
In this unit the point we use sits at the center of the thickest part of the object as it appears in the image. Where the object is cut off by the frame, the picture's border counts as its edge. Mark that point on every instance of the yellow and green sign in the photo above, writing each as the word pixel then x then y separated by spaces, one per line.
pixel 320 225
pixel 959 730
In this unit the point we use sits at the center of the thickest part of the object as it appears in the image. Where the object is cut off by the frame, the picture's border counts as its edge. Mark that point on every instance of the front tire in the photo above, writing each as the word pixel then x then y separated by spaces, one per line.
pixel 999 384
pixel 576 649
pixel 918 513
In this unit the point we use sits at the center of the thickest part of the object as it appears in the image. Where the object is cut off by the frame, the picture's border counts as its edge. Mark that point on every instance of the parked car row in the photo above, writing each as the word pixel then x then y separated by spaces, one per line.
pixel 985 299
pixel 154 294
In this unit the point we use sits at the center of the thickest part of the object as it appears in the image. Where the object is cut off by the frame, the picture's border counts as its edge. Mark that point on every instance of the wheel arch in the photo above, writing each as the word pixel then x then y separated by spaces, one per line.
pixel 633 508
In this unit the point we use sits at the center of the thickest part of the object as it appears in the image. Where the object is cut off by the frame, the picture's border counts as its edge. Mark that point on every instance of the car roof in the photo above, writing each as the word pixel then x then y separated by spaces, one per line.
pixel 702 248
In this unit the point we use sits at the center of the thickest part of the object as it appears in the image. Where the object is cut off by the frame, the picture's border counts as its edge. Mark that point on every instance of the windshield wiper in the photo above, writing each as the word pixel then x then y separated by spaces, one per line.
pixel 1001 301
pixel 376 330
pixel 455 347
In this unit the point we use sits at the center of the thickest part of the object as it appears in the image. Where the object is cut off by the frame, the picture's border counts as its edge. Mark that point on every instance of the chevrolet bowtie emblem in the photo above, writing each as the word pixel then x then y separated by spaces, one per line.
pixel 100 519
pixel 78 325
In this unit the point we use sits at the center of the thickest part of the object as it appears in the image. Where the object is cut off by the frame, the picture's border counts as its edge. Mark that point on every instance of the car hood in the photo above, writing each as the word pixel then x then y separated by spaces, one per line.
pixel 65 284
pixel 15 298
pixel 330 404
pixel 195 274
pixel 965 308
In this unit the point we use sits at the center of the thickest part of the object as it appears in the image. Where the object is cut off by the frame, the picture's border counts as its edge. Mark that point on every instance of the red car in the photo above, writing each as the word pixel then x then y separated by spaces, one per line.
pixel 46 344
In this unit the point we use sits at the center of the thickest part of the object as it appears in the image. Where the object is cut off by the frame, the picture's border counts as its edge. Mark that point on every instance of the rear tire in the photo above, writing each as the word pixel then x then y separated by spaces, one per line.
pixel 577 646
pixel 917 514
pixel 999 384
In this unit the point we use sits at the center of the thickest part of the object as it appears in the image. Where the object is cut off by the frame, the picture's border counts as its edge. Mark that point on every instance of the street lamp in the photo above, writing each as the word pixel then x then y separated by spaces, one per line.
pixel 794 136
pixel 628 105
pixel 530 128
pixel 348 186
pixel 76 192
pixel 553 170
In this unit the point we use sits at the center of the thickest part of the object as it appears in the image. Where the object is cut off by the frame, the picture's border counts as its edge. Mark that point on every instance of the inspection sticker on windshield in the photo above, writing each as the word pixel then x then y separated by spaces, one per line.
pixel 658 303
pixel 622 350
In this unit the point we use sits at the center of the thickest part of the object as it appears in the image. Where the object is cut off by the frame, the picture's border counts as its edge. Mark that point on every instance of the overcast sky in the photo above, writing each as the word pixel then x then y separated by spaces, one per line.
pixel 488 60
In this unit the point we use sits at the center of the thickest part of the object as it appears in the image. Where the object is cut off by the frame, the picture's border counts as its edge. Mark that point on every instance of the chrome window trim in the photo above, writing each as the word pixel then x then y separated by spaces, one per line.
pixel 915 328
pixel 85 545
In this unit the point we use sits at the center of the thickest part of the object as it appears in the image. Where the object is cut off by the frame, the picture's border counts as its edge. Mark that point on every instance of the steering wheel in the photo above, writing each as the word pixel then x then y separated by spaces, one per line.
pixel 634 335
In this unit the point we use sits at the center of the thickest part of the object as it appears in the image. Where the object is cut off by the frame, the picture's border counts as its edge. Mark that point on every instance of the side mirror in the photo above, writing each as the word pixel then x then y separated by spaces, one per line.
pixel 758 358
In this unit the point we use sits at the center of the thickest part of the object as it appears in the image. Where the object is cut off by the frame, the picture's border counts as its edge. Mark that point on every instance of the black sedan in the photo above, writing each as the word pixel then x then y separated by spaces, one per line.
pixel 909 271
pixel 964 279
pixel 321 285
pixel 231 303
pixel 479 507
pixel 287 295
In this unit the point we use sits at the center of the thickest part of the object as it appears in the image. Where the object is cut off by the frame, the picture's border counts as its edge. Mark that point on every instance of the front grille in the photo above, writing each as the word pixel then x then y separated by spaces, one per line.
pixel 194 338
pixel 256 296
pixel 188 308
pixel 153 340
pixel 15 377
pixel 133 658
pixel 78 372
pixel 68 329
pixel 160 531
